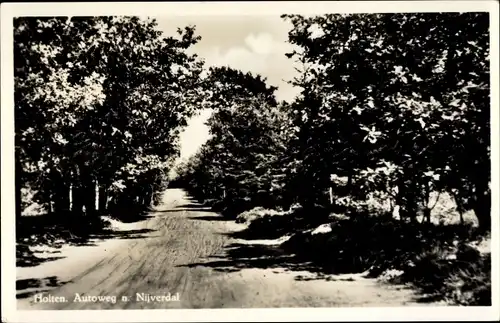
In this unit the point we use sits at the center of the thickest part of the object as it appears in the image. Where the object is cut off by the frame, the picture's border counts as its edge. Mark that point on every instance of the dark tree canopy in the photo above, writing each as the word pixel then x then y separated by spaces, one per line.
pixel 100 102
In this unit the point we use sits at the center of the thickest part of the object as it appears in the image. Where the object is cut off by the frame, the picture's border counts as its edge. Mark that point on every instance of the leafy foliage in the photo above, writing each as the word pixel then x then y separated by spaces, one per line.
pixel 416 97
pixel 241 162
pixel 99 102
pixel 398 129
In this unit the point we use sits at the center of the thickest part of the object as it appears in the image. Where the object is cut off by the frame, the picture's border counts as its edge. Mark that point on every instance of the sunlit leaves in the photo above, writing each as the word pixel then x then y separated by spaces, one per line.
pixel 409 88
pixel 103 93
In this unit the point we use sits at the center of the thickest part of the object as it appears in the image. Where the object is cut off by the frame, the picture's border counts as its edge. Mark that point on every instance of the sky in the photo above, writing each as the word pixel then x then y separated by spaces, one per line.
pixel 254 44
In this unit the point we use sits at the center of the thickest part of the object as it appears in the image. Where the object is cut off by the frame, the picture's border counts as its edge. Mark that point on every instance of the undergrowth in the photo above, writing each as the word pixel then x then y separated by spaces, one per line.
pixel 436 259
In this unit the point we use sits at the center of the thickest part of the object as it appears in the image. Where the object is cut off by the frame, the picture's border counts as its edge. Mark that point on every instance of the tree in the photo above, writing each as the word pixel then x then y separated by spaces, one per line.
pixel 417 96
pixel 242 159
pixel 99 104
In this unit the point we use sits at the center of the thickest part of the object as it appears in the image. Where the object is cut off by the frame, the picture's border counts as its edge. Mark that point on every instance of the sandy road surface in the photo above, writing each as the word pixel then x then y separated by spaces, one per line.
pixel 186 249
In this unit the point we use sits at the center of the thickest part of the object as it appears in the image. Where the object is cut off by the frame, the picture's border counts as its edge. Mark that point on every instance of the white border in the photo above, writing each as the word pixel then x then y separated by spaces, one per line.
pixel 9 312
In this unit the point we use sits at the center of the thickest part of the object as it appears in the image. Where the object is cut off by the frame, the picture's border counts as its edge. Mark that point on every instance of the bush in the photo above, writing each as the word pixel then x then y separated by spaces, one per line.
pixel 471 284
pixel 269 226
pixel 363 242
pixel 429 269
pixel 255 213
pixel 47 228
pixel 427 256
pixel 461 276
pixel 230 208
pixel 356 244
pixel 265 223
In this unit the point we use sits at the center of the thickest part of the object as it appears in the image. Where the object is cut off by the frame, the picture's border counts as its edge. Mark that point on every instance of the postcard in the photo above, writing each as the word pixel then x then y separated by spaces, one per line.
pixel 262 161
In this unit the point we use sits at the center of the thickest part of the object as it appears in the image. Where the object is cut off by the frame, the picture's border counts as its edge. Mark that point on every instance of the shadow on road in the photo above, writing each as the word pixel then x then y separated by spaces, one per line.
pixel 126 217
pixel 194 207
pixel 239 256
pixel 209 218
pixel 186 209
pixel 28 287
pixel 26 257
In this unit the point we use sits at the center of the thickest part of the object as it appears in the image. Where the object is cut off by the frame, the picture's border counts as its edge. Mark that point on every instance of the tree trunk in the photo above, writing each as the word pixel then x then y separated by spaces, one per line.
pixel 77 199
pixel 399 199
pixel 88 192
pixel 97 193
pixel 427 208
pixel 109 202
pixel 482 209
pixel 51 204
pixel 149 198
pixel 61 198
pixel 103 197
pixel 70 197
pixel 427 215
pixel 349 182
pixel 412 205
pixel 18 185
pixel 460 208
pixel 77 191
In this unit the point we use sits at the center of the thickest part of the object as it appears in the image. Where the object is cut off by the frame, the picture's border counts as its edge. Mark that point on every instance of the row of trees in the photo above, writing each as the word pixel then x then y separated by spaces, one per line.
pixel 241 162
pixel 99 104
pixel 398 104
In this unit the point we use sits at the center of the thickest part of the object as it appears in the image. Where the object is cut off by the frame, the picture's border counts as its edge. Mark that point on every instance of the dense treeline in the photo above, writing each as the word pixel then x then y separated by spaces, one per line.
pixel 393 107
pixel 99 104
pixel 239 166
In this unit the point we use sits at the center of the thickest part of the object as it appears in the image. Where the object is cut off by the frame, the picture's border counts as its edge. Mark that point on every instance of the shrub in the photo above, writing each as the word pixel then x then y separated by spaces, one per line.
pixel 470 284
pixel 230 208
pixel 255 213
pixel 460 275
pixel 265 223
pixel 428 256
pixel 269 226
pixel 342 249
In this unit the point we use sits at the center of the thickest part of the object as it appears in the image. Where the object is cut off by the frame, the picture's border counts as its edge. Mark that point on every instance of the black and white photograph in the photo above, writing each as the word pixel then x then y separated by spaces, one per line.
pixel 171 158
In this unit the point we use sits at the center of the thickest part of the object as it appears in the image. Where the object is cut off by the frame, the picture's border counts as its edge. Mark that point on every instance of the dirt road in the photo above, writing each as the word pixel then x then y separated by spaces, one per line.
pixel 186 251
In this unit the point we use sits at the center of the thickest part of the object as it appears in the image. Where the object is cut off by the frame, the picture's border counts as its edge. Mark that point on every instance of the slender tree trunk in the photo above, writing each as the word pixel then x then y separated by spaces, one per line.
pixel 109 202
pixel 149 200
pixel 70 197
pixel 427 215
pixel 103 196
pixel 460 207
pixel 77 198
pixel 61 198
pixel 77 191
pixel 88 191
pixel 18 185
pixel 399 199
pixel 407 203
pixel 97 193
pixel 427 208
pixel 51 203
pixel 349 182
pixel 482 209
